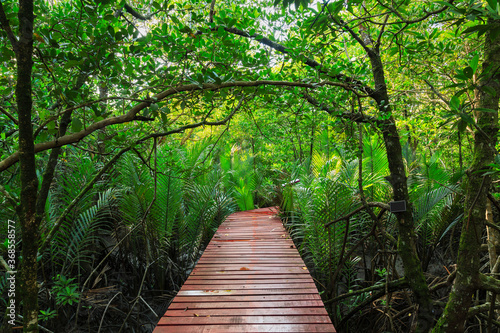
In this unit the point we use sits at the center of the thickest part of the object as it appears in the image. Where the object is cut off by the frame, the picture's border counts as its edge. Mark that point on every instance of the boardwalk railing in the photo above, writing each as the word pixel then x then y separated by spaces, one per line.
pixel 249 279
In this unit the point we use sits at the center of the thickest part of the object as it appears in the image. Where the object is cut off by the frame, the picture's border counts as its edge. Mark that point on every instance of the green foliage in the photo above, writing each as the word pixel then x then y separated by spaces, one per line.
pixel 240 167
pixel 65 291
pixel 154 212
pixel 46 315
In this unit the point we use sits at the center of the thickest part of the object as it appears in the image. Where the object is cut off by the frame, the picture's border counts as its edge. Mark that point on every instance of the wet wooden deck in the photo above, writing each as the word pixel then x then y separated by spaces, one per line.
pixel 249 279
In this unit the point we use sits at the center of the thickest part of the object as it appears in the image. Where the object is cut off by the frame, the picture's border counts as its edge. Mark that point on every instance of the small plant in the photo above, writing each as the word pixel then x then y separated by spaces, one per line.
pixel 65 291
pixel 381 272
pixel 47 315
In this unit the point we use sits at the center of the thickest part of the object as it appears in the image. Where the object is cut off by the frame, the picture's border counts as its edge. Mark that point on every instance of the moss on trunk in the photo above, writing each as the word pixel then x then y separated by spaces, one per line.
pixel 406 229
pixel 29 182
pixel 477 186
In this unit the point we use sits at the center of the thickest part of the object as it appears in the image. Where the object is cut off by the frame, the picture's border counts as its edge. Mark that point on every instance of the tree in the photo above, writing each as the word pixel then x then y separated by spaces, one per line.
pixel 479 181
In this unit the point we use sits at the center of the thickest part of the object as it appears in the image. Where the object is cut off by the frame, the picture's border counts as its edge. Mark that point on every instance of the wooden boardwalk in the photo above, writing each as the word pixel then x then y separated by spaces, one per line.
pixel 249 279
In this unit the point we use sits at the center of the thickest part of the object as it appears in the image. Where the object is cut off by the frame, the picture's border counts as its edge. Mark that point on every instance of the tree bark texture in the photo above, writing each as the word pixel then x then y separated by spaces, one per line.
pixel 406 239
pixel 477 186
pixel 29 182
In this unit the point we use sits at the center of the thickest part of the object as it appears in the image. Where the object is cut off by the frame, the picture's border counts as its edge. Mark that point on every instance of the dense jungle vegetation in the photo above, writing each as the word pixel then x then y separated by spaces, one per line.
pixel 131 129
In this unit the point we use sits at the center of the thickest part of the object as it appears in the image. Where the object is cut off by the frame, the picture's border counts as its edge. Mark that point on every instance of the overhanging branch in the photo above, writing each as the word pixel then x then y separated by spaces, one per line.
pixel 356 117
pixel 353 83
pixel 132 113
pixel 357 210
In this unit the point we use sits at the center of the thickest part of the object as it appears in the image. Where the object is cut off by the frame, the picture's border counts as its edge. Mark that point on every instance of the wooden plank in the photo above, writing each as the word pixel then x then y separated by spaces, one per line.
pixel 240 298
pixel 245 275
pixel 254 268
pixel 254 281
pixel 275 291
pixel 250 261
pixel 246 305
pixel 316 311
pixel 219 320
pixel 236 328
pixel 249 286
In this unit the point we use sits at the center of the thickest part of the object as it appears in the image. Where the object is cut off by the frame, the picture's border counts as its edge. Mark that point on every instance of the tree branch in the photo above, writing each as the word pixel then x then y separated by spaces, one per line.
pixel 386 288
pixel 475 310
pixel 423 18
pixel 356 117
pixel 8 196
pixel 6 26
pixel 11 117
pixel 132 113
pixel 393 285
pixel 354 83
pixel 434 90
pixel 136 14
pixel 446 283
pixel 212 12
pixel 488 283
pixel 357 210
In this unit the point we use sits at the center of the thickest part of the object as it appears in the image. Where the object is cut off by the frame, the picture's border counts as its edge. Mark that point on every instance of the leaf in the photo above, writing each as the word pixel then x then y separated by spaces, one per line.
pixel 455 103
pixel 492 4
pixel 480 29
pixel 76 125
pixel 447 4
pixel 474 63
pixel 467 118
pixel 51 125
pixel 462 125
pixel 485 110
pixel 489 90
pixel 468 72
pixel 72 63
pixel 153 107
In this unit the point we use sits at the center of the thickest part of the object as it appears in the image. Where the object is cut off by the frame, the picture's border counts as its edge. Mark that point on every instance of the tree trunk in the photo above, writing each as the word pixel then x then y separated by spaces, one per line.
pixel 407 239
pixel 477 187
pixel 29 182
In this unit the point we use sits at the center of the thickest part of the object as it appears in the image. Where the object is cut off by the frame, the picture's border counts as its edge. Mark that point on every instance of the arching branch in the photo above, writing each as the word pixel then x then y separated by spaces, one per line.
pixel 132 114
pixel 356 117
pixel 134 13
pixel 353 83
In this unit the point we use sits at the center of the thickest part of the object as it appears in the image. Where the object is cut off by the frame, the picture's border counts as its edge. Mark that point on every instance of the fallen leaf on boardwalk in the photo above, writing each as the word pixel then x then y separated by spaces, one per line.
pixel 186 308
pixel 244 269
pixel 196 315
pixel 283 236
pixel 304 268
pixel 208 316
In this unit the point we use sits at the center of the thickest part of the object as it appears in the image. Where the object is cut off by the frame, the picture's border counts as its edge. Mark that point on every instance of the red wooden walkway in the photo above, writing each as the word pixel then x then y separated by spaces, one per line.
pixel 249 279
